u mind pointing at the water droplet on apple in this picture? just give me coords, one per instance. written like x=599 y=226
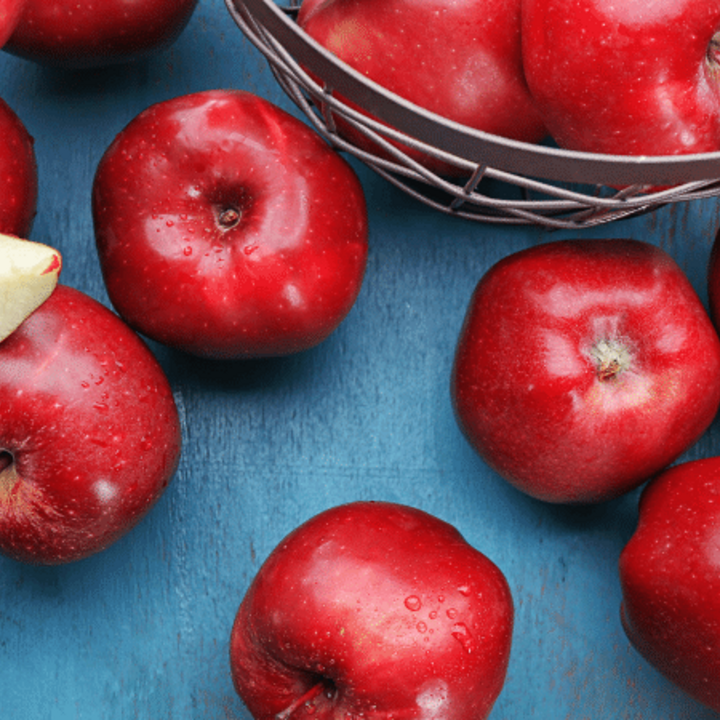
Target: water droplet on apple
x=187 y=251
x=413 y=602
x=452 y=613
x=421 y=627
x=169 y=223
x=464 y=590
x=433 y=614
x=462 y=635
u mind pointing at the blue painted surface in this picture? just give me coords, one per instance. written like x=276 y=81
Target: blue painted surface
x=141 y=631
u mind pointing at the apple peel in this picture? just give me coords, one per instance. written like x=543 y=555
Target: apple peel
x=29 y=273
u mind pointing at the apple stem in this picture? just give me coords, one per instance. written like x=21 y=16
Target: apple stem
x=312 y=693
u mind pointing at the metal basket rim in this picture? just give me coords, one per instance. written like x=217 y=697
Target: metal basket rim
x=546 y=162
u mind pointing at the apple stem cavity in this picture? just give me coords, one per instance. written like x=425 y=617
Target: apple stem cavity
x=228 y=218
x=713 y=55
x=310 y=695
x=6 y=460
x=611 y=358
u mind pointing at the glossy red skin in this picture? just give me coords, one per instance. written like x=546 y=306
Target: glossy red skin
x=387 y=608
x=89 y=418
x=279 y=281
x=627 y=78
x=670 y=580
x=18 y=175
x=459 y=59
x=10 y=11
x=95 y=33
x=535 y=404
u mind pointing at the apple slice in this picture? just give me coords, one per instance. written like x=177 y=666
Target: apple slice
x=29 y=273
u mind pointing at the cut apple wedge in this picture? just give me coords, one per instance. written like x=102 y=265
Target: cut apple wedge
x=29 y=273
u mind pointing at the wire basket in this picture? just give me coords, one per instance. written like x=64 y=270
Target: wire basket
x=501 y=180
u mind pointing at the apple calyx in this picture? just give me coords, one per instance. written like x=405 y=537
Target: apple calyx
x=308 y=697
x=29 y=273
x=228 y=218
x=8 y=473
x=611 y=357
x=6 y=460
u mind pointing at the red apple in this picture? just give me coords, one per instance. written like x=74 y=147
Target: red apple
x=670 y=579
x=89 y=431
x=18 y=175
x=88 y=34
x=227 y=228
x=10 y=11
x=625 y=78
x=460 y=60
x=373 y=610
x=584 y=367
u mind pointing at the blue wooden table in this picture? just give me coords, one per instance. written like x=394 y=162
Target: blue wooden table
x=141 y=630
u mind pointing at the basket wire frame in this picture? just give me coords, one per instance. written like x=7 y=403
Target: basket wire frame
x=531 y=201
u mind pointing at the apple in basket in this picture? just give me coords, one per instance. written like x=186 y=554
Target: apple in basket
x=88 y=34
x=625 y=78
x=18 y=175
x=227 y=228
x=89 y=430
x=584 y=367
x=460 y=60
x=373 y=610
x=10 y=11
x=670 y=580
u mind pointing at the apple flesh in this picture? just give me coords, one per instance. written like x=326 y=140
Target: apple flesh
x=584 y=367
x=29 y=273
x=18 y=175
x=89 y=431
x=75 y=34
x=461 y=60
x=625 y=78
x=373 y=610
x=226 y=227
x=670 y=581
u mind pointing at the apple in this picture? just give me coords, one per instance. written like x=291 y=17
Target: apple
x=227 y=228
x=10 y=11
x=584 y=367
x=373 y=610
x=18 y=174
x=625 y=78
x=29 y=273
x=459 y=59
x=670 y=581
x=73 y=34
x=89 y=430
